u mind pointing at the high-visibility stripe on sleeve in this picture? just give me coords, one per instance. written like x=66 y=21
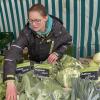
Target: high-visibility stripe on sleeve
x=17 y=46
x=65 y=47
x=10 y=76
x=8 y=60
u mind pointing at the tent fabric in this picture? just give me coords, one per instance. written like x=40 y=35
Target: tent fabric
x=80 y=17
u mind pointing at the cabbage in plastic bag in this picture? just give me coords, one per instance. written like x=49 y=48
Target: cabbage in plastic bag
x=66 y=76
x=43 y=89
x=68 y=61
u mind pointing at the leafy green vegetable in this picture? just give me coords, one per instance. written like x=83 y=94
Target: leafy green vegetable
x=43 y=88
x=63 y=83
x=2 y=88
x=24 y=64
x=84 y=90
x=66 y=76
x=89 y=69
x=68 y=61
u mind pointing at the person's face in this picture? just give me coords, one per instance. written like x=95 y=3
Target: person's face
x=37 y=21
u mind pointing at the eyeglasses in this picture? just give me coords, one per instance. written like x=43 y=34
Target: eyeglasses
x=37 y=21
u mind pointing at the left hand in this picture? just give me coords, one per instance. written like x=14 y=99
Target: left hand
x=52 y=58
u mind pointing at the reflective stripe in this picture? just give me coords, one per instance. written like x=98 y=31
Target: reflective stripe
x=16 y=46
x=65 y=47
x=8 y=59
x=10 y=76
x=51 y=48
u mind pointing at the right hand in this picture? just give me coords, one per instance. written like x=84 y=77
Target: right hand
x=11 y=92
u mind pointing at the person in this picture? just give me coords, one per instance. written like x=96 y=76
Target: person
x=46 y=39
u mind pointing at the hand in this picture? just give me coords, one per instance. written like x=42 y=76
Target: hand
x=11 y=92
x=52 y=58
